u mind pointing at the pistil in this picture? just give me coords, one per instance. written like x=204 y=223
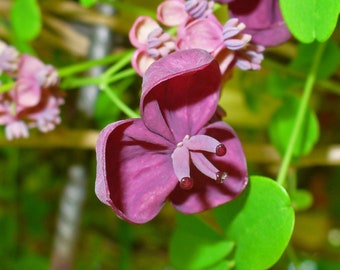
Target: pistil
x=199 y=8
x=191 y=151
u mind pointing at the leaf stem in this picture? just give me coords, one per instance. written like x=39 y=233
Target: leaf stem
x=110 y=91
x=307 y=91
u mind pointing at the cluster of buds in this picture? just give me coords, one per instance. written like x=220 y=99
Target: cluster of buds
x=34 y=99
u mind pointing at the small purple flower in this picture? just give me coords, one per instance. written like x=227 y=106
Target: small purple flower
x=34 y=100
x=227 y=43
x=151 y=42
x=8 y=58
x=180 y=12
x=263 y=19
x=174 y=151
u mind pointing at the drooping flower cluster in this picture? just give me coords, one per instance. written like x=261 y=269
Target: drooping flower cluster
x=239 y=42
x=34 y=100
x=178 y=150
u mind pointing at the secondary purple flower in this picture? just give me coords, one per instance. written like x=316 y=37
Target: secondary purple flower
x=263 y=19
x=181 y=12
x=228 y=43
x=8 y=58
x=34 y=100
x=151 y=42
x=174 y=151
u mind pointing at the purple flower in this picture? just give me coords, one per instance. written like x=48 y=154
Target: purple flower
x=34 y=100
x=263 y=19
x=227 y=43
x=8 y=58
x=174 y=151
x=180 y=12
x=151 y=42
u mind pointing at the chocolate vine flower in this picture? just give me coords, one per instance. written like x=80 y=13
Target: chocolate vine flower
x=151 y=42
x=34 y=100
x=263 y=19
x=181 y=12
x=174 y=151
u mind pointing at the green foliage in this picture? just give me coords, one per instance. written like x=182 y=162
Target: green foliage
x=260 y=221
x=329 y=62
x=282 y=125
x=263 y=207
x=301 y=199
x=26 y=19
x=194 y=242
x=87 y=3
x=310 y=20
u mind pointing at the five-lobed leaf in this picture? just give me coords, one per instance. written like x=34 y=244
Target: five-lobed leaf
x=310 y=20
x=260 y=221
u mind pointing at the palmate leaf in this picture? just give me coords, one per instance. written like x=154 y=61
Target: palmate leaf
x=260 y=222
x=310 y=20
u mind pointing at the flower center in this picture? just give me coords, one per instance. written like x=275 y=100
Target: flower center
x=191 y=150
x=199 y=8
x=160 y=44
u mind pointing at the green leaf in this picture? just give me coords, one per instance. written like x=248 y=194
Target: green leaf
x=195 y=245
x=26 y=19
x=301 y=199
x=87 y=3
x=282 y=125
x=260 y=221
x=309 y=20
x=329 y=62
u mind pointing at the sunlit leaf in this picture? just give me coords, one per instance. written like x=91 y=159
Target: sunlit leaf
x=87 y=3
x=195 y=245
x=282 y=125
x=26 y=19
x=260 y=221
x=309 y=20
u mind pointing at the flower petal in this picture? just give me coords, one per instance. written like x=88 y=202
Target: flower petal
x=206 y=193
x=134 y=170
x=180 y=93
x=263 y=19
x=140 y=30
x=140 y=61
x=172 y=13
x=204 y=33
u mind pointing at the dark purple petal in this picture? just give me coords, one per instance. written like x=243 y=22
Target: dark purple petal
x=134 y=170
x=180 y=94
x=263 y=19
x=207 y=193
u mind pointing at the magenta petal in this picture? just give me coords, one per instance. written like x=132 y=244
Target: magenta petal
x=206 y=193
x=172 y=12
x=134 y=170
x=175 y=89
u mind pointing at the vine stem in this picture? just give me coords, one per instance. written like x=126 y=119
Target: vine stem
x=307 y=91
x=111 y=93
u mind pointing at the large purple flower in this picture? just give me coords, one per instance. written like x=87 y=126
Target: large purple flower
x=174 y=151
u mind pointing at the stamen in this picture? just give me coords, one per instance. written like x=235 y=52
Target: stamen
x=181 y=164
x=199 y=8
x=232 y=37
x=205 y=143
x=203 y=165
x=186 y=183
x=221 y=150
x=221 y=176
